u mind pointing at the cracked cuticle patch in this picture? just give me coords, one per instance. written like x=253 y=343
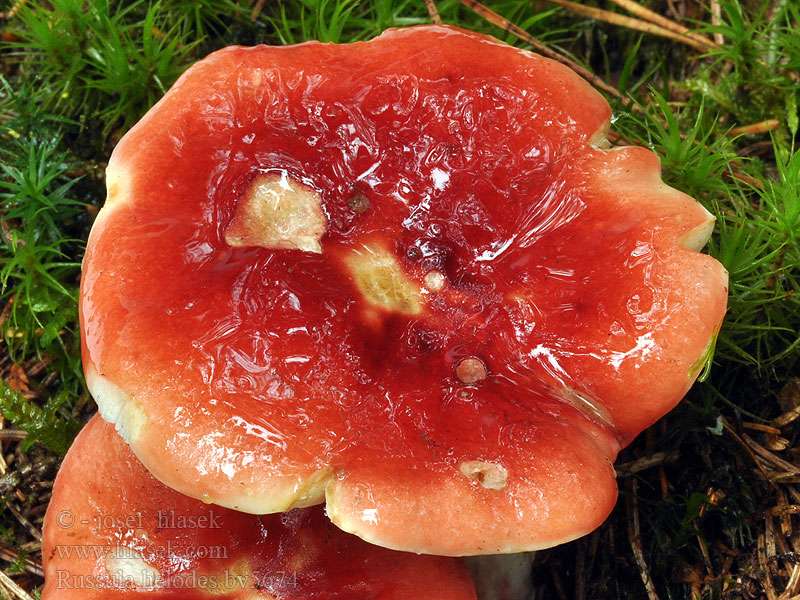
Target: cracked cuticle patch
x=490 y=475
x=278 y=213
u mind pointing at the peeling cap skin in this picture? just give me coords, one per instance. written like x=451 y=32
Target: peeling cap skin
x=113 y=532
x=404 y=277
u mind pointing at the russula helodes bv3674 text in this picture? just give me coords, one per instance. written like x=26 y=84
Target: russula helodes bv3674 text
x=114 y=532
x=406 y=277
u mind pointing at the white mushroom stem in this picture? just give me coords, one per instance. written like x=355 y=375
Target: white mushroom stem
x=502 y=576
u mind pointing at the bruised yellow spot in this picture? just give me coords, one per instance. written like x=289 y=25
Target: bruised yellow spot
x=278 y=213
x=490 y=475
x=382 y=281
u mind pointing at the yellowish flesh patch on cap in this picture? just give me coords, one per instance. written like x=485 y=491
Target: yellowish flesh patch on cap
x=278 y=213
x=381 y=280
x=490 y=475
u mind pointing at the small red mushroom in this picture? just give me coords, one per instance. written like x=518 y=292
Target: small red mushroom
x=112 y=531
x=406 y=277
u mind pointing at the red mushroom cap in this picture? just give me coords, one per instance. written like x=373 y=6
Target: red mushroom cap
x=406 y=277
x=112 y=531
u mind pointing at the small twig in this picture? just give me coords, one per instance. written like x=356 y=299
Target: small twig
x=13 y=434
x=24 y=522
x=793 y=585
x=769 y=537
x=654 y=17
x=749 y=451
x=795 y=496
x=716 y=20
x=14 y=11
x=629 y=22
x=784 y=477
x=646 y=462
x=760 y=427
x=755 y=128
x=662 y=477
x=756 y=149
x=523 y=35
x=12 y=587
x=787 y=417
x=635 y=537
x=784 y=555
x=769 y=457
x=704 y=553
x=674 y=9
x=776 y=443
x=751 y=181
x=433 y=13
x=786 y=520
x=783 y=551
x=257 y=9
x=763 y=560
x=700 y=541
x=3 y=464
x=31 y=566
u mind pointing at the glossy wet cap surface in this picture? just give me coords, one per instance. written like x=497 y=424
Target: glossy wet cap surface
x=400 y=276
x=114 y=532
